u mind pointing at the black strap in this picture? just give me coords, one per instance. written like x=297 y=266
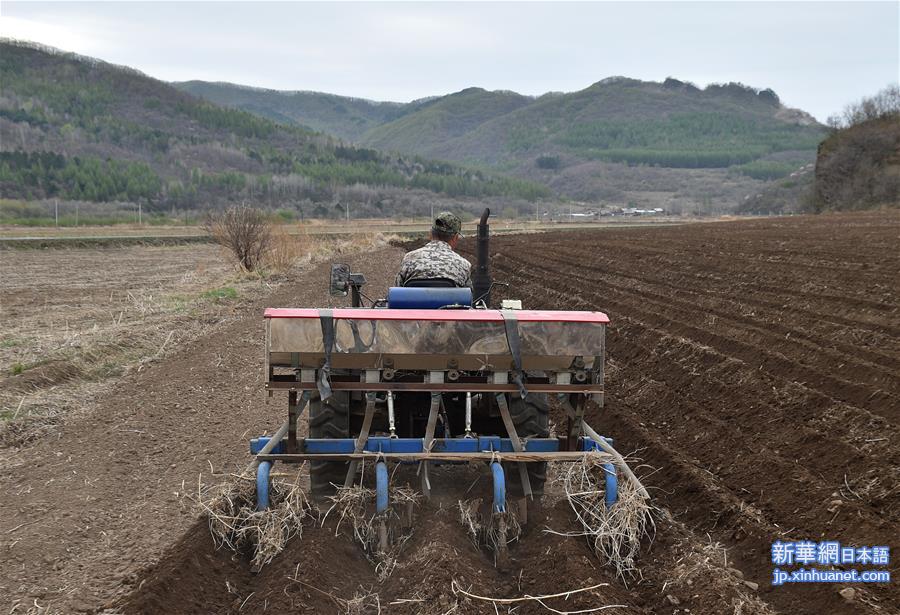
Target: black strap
x=512 y=339
x=326 y=319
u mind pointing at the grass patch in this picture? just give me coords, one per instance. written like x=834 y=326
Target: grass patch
x=16 y=369
x=9 y=342
x=226 y=292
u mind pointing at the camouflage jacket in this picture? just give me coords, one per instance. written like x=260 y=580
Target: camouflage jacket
x=435 y=260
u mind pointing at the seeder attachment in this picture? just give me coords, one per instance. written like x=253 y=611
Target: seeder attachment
x=405 y=385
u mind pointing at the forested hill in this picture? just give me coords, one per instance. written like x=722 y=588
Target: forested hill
x=341 y=116
x=858 y=165
x=353 y=118
x=619 y=140
x=671 y=124
x=78 y=128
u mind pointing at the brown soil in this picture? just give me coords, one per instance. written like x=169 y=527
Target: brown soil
x=752 y=366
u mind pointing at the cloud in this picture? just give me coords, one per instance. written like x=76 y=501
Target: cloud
x=65 y=37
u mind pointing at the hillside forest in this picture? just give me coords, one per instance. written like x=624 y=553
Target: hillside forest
x=80 y=130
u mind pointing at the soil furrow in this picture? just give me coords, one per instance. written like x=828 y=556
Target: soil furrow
x=773 y=362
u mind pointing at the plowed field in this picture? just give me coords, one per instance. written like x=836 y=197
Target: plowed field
x=754 y=367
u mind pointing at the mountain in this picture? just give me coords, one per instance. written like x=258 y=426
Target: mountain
x=620 y=140
x=352 y=119
x=341 y=116
x=78 y=128
x=437 y=123
x=670 y=124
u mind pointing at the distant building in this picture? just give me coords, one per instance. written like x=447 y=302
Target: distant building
x=634 y=211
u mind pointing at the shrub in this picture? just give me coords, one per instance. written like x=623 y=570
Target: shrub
x=243 y=230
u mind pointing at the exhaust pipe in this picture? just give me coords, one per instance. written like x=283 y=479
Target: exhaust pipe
x=481 y=281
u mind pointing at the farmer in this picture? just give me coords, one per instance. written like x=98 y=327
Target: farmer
x=436 y=259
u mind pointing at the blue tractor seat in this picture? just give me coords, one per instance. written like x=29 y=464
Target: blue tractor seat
x=425 y=298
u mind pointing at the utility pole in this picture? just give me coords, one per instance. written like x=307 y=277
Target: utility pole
x=56 y=209
x=140 y=217
x=76 y=213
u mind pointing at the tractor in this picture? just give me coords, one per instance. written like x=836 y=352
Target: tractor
x=428 y=375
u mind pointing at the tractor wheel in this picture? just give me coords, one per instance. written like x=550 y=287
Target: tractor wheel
x=328 y=419
x=531 y=416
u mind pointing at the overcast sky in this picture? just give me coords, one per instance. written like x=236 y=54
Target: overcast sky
x=817 y=56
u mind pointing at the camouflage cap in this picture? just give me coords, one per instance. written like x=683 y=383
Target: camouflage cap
x=447 y=222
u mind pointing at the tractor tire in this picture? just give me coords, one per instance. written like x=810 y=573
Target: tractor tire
x=328 y=419
x=531 y=416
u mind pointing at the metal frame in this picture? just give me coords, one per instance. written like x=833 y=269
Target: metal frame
x=299 y=377
x=441 y=449
x=426 y=387
x=381 y=449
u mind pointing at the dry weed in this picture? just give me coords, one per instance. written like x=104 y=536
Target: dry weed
x=470 y=518
x=235 y=523
x=614 y=533
x=352 y=504
x=286 y=250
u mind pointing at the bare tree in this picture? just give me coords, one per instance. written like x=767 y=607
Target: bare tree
x=243 y=230
x=884 y=104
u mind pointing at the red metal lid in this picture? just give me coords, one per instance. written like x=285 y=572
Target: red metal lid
x=441 y=315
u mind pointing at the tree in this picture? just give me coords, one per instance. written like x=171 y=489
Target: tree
x=548 y=162
x=243 y=230
x=885 y=103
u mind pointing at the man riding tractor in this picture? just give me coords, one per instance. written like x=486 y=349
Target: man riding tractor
x=436 y=264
